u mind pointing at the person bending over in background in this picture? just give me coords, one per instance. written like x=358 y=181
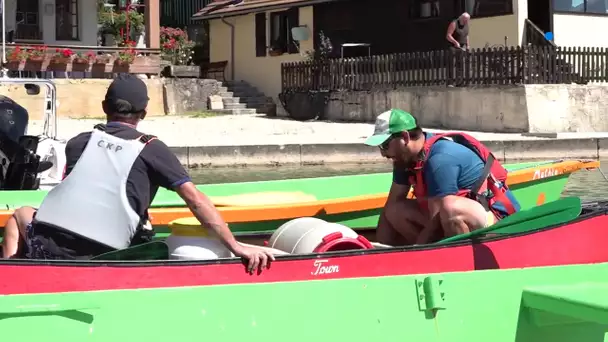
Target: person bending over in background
x=455 y=192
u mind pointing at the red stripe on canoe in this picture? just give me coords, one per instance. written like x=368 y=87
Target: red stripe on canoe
x=578 y=243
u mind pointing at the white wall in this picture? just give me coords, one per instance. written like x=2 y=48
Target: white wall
x=87 y=22
x=262 y=72
x=580 y=30
x=521 y=11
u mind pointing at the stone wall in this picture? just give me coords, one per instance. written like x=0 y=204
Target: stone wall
x=567 y=108
x=184 y=95
x=81 y=98
x=526 y=108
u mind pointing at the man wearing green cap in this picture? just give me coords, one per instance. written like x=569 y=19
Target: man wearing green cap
x=458 y=184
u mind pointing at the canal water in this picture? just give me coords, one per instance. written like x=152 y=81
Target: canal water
x=589 y=185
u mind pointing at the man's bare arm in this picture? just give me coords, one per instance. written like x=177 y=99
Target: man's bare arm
x=434 y=223
x=397 y=192
x=449 y=37
x=203 y=209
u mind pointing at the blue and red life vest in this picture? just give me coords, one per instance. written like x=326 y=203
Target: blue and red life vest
x=493 y=176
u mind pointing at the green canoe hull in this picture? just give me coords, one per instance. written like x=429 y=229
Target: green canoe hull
x=323 y=188
x=526 y=193
x=508 y=288
x=350 y=299
x=557 y=304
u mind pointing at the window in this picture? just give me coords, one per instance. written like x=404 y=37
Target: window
x=26 y=20
x=260 y=34
x=489 y=8
x=421 y=9
x=281 y=24
x=581 y=6
x=66 y=20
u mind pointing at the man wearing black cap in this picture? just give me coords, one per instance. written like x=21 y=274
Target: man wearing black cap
x=112 y=176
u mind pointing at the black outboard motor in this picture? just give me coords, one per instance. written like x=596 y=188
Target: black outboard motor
x=13 y=118
x=19 y=163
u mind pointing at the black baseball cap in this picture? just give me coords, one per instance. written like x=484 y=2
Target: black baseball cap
x=127 y=94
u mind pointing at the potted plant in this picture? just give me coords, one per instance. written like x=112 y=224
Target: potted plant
x=17 y=54
x=136 y=24
x=102 y=59
x=125 y=57
x=15 y=57
x=109 y=28
x=114 y=26
x=324 y=51
x=84 y=58
x=175 y=46
x=99 y=65
x=62 y=56
x=36 y=54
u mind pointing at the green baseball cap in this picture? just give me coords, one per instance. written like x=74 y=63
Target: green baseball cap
x=391 y=122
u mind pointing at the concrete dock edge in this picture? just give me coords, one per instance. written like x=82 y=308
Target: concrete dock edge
x=552 y=149
x=318 y=154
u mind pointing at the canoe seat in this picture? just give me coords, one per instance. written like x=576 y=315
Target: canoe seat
x=556 y=212
x=155 y=250
x=262 y=198
x=586 y=302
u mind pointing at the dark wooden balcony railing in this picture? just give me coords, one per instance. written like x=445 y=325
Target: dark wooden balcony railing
x=28 y=32
x=496 y=66
x=533 y=35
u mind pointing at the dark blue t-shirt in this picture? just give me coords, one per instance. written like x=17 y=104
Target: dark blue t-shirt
x=450 y=167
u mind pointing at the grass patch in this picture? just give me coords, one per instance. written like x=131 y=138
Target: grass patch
x=202 y=114
x=84 y=117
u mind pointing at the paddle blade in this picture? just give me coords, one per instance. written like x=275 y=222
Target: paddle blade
x=556 y=212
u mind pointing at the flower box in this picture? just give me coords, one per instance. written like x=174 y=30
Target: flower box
x=79 y=60
x=35 y=59
x=123 y=63
x=13 y=64
x=60 y=60
x=121 y=66
x=102 y=60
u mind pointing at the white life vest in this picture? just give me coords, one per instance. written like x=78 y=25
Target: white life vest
x=92 y=200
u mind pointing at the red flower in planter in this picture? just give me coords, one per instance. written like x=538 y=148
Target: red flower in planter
x=175 y=45
x=62 y=56
x=17 y=54
x=84 y=58
x=36 y=53
x=170 y=44
x=67 y=53
x=126 y=56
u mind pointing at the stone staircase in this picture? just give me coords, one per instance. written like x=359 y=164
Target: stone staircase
x=240 y=97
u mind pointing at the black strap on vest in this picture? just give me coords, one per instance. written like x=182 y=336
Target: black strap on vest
x=147 y=138
x=100 y=127
x=483 y=178
x=144 y=138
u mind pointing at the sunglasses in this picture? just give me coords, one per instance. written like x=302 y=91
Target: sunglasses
x=385 y=144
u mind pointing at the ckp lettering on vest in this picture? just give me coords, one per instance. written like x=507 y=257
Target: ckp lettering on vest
x=109 y=146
